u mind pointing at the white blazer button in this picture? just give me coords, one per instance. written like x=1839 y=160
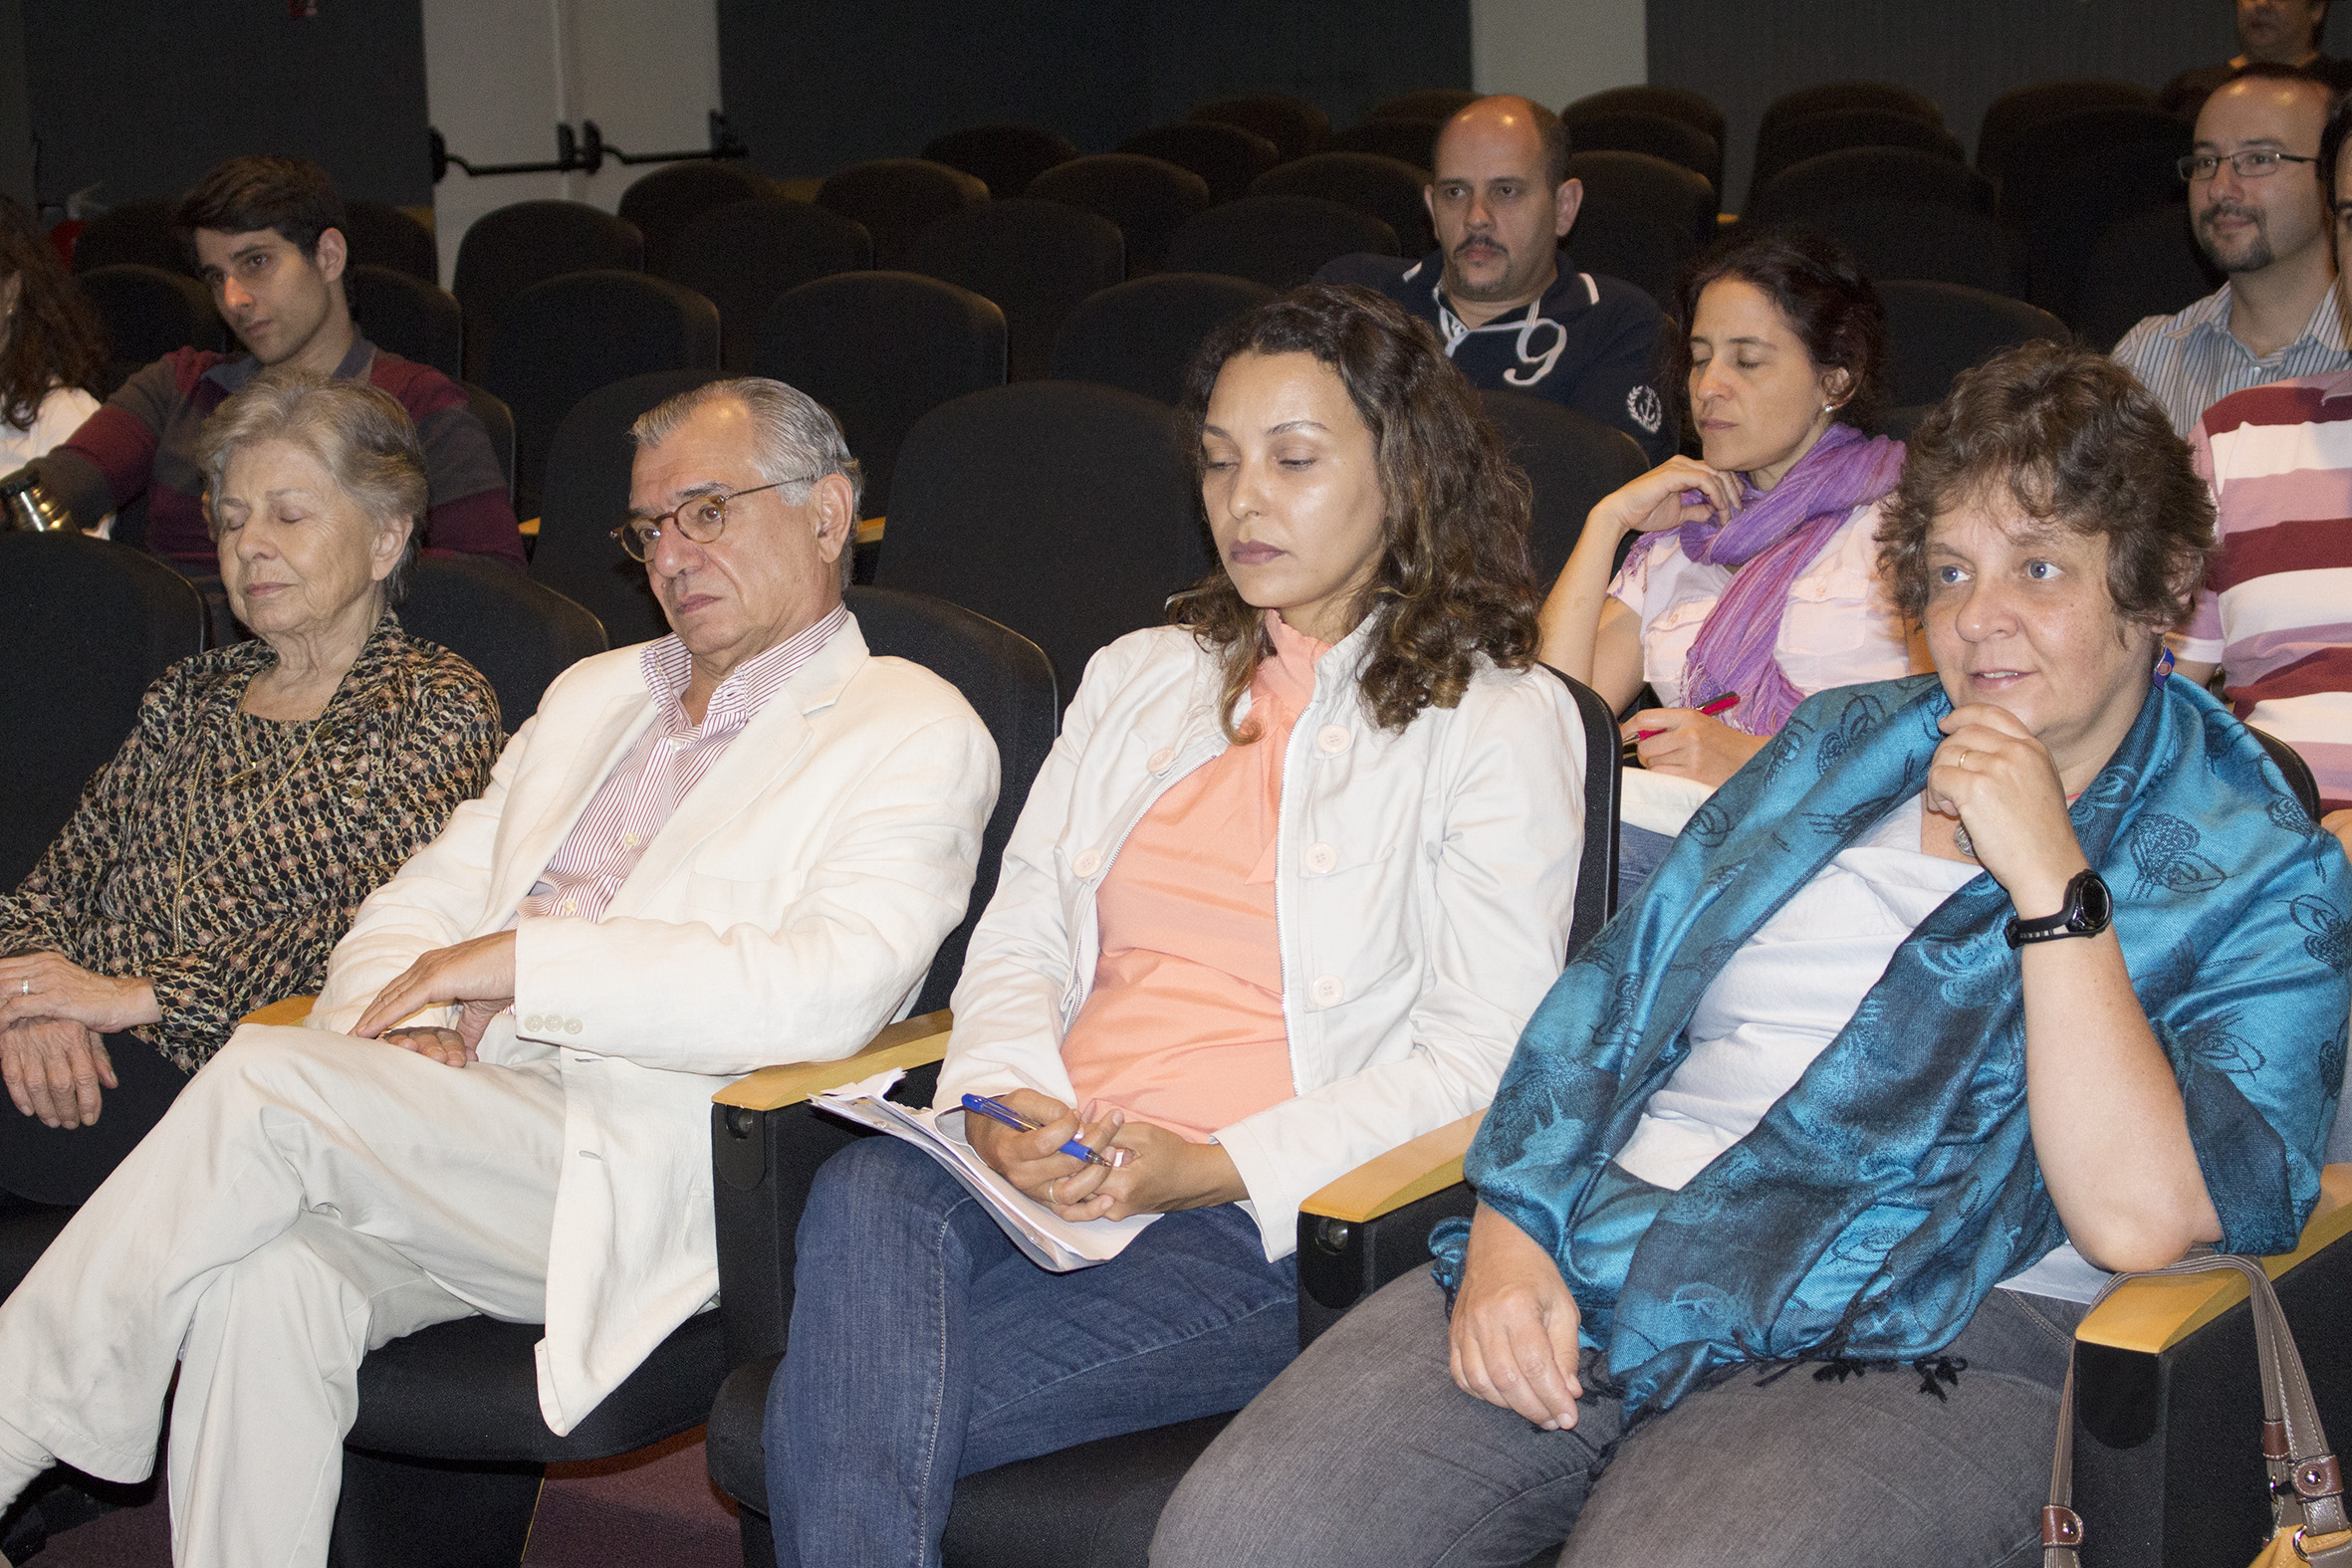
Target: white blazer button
x=1161 y=758
x=1321 y=858
x=1333 y=738
x=531 y=1022
x=1327 y=990
x=571 y=1026
x=1088 y=863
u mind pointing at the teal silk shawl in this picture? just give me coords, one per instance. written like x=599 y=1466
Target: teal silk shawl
x=1880 y=1200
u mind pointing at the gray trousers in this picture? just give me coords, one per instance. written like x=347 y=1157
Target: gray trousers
x=1364 y=1452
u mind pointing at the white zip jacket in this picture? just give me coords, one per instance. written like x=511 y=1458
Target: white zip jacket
x=1422 y=899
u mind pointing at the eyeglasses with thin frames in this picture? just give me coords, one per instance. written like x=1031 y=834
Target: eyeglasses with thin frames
x=2252 y=163
x=702 y=519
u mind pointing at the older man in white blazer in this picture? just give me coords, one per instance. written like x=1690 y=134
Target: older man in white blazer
x=737 y=845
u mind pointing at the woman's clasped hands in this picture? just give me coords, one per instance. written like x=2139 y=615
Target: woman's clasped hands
x=1160 y=1174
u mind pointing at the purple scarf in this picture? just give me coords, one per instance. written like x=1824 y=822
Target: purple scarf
x=1768 y=542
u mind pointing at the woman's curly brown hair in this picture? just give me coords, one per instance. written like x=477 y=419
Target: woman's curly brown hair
x=2072 y=439
x=56 y=338
x=1454 y=580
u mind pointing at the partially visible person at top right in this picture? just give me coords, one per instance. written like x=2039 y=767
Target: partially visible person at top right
x=2275 y=613
x=2269 y=32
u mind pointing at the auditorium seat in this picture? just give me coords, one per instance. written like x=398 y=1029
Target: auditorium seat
x=561 y=339
x=509 y=249
x=1571 y=461
x=86 y=625
x=744 y=255
x=1656 y=136
x=661 y=203
x=2018 y=116
x=1148 y=199
x=1002 y=157
x=149 y=312
x=1438 y=104
x=520 y=633
x=1380 y=187
x=1036 y=260
x=1835 y=179
x=1694 y=110
x=1671 y=192
x=585 y=496
x=1834 y=130
x=378 y=234
x=498 y=423
x=1293 y=124
x=402 y=313
x=1925 y=239
x=1631 y=241
x=2147 y=264
x=821 y=336
x=1277 y=240
x=1064 y=510
x=897 y=199
x=2085 y=172
x=1411 y=141
x=1140 y=336
x=1226 y=158
x=1935 y=330
x=1823 y=96
x=135 y=232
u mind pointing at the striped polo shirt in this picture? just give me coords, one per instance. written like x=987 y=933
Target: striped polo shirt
x=2275 y=611
x=2190 y=361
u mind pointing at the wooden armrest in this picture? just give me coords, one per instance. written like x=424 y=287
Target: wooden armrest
x=913 y=1043
x=2153 y=1315
x=528 y=527
x=869 y=532
x=290 y=1011
x=1405 y=1173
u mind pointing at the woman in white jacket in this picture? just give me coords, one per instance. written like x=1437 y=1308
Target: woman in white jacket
x=1296 y=872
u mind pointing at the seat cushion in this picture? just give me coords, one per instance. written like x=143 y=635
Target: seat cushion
x=25 y=1230
x=468 y=1391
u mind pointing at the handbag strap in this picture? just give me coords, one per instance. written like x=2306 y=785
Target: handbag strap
x=2306 y=1482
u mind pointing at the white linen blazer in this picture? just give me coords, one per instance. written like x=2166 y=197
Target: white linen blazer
x=786 y=911
x=1423 y=890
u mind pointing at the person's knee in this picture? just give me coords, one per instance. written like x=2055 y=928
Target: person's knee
x=876 y=1185
x=265 y=1059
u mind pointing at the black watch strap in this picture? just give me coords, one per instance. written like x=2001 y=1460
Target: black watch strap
x=2088 y=911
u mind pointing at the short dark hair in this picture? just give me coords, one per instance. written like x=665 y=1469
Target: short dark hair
x=2075 y=441
x=1453 y=583
x=294 y=196
x=1818 y=290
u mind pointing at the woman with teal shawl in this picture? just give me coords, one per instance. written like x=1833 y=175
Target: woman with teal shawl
x=2027 y=1094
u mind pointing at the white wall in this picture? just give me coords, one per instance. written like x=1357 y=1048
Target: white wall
x=500 y=75
x=1557 y=51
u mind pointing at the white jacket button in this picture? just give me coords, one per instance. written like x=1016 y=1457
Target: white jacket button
x=1320 y=858
x=531 y=1024
x=1161 y=758
x=1088 y=863
x=571 y=1026
x=1327 y=990
x=1333 y=738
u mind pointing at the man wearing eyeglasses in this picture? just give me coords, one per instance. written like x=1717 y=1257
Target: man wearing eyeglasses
x=739 y=844
x=2260 y=214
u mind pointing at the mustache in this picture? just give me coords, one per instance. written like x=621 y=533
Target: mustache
x=2228 y=209
x=1481 y=242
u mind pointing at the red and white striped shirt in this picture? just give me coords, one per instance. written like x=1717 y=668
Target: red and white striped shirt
x=639 y=795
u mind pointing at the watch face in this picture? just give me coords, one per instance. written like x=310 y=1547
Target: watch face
x=2094 y=905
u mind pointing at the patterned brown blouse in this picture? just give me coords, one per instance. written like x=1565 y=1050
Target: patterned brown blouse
x=222 y=856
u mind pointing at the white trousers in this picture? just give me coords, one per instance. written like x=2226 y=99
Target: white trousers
x=307 y=1197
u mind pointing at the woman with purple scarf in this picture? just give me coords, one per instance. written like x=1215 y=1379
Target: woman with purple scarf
x=1754 y=574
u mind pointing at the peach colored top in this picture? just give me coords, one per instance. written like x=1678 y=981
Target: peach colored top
x=1184 y=1026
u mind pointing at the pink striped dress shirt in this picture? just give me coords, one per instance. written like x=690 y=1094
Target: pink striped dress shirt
x=639 y=795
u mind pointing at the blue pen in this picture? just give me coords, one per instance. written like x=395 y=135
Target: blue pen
x=1013 y=1119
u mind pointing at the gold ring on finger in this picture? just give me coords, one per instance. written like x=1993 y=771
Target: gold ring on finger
x=1964 y=757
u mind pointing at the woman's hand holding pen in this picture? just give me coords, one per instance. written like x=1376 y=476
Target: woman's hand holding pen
x=1691 y=743
x=1162 y=1172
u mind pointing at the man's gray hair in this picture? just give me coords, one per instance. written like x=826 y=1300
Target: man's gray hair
x=796 y=439
x=357 y=433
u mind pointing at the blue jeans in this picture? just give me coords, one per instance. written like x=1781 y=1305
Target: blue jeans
x=926 y=1346
x=1639 y=853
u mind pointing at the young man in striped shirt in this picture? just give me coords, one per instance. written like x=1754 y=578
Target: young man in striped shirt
x=2260 y=215
x=2274 y=615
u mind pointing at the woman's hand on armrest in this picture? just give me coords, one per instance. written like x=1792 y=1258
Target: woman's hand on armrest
x=1513 y=1335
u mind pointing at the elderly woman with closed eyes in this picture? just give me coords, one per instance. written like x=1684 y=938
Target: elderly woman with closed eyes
x=264 y=789
x=1968 y=988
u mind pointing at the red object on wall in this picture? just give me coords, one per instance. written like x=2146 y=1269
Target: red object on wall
x=61 y=239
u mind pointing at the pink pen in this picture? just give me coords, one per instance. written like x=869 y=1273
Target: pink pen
x=1724 y=704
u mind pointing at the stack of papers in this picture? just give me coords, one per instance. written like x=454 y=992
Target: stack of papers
x=1050 y=1240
